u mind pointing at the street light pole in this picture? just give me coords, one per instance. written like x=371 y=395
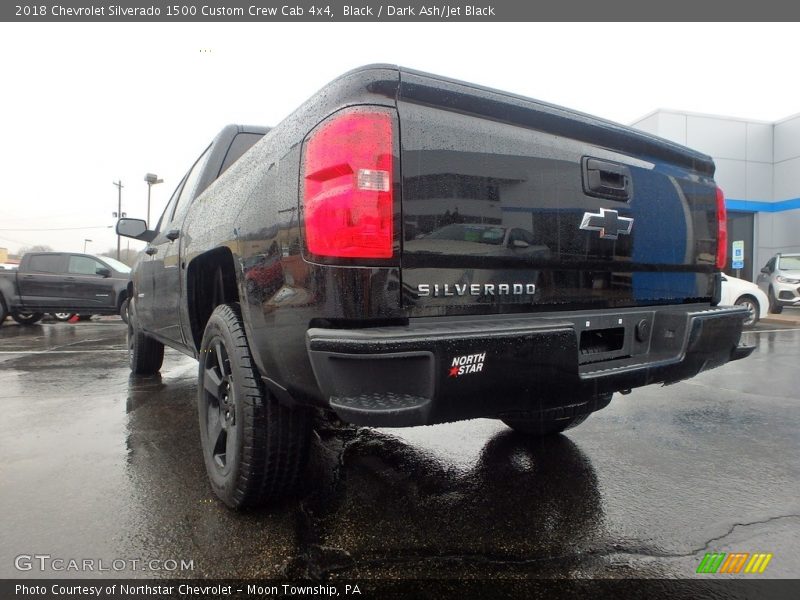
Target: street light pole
x=119 y=211
x=151 y=179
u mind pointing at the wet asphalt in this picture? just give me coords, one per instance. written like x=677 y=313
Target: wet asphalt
x=100 y=465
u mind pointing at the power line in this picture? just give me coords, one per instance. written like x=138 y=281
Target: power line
x=61 y=228
x=16 y=217
x=16 y=241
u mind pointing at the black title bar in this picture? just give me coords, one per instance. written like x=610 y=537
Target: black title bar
x=264 y=11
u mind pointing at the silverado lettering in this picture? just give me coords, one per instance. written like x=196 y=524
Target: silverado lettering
x=475 y=289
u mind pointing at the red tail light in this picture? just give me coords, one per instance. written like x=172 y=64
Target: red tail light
x=348 y=202
x=722 y=231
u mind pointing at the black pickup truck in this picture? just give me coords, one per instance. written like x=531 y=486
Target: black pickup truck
x=406 y=249
x=63 y=282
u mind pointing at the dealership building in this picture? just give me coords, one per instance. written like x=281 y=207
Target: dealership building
x=758 y=168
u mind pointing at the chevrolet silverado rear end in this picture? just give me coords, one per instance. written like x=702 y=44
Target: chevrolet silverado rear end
x=406 y=250
x=546 y=259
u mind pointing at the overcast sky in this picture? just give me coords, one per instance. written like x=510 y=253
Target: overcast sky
x=84 y=105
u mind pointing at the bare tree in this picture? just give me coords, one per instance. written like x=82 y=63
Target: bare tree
x=37 y=248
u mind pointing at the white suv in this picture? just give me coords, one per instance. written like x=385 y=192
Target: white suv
x=780 y=280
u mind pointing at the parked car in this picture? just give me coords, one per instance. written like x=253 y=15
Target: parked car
x=780 y=280
x=385 y=328
x=63 y=282
x=738 y=292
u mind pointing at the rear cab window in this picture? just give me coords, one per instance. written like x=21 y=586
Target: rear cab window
x=240 y=144
x=46 y=263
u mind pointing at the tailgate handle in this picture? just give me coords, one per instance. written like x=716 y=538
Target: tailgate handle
x=605 y=179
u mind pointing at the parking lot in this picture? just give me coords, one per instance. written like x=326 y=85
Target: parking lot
x=100 y=465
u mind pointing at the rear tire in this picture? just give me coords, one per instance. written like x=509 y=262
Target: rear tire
x=145 y=354
x=62 y=316
x=123 y=310
x=3 y=310
x=254 y=447
x=540 y=426
x=26 y=318
x=543 y=427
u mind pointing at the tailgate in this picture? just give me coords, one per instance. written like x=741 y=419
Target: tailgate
x=510 y=205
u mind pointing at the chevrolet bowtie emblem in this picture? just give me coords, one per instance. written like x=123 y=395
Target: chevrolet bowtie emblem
x=608 y=223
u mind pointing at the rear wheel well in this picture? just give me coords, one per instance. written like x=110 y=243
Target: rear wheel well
x=748 y=297
x=210 y=281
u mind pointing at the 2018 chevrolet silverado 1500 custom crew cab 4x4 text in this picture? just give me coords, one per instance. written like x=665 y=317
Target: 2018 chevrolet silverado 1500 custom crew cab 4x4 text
x=406 y=249
x=63 y=282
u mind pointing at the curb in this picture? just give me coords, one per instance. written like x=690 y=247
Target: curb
x=777 y=321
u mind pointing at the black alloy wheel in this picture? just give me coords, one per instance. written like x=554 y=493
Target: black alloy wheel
x=254 y=447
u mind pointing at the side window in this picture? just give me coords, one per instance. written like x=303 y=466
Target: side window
x=46 y=263
x=183 y=190
x=190 y=182
x=83 y=265
x=240 y=144
x=170 y=206
x=771 y=264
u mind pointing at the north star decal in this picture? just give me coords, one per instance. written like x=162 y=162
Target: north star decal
x=469 y=363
